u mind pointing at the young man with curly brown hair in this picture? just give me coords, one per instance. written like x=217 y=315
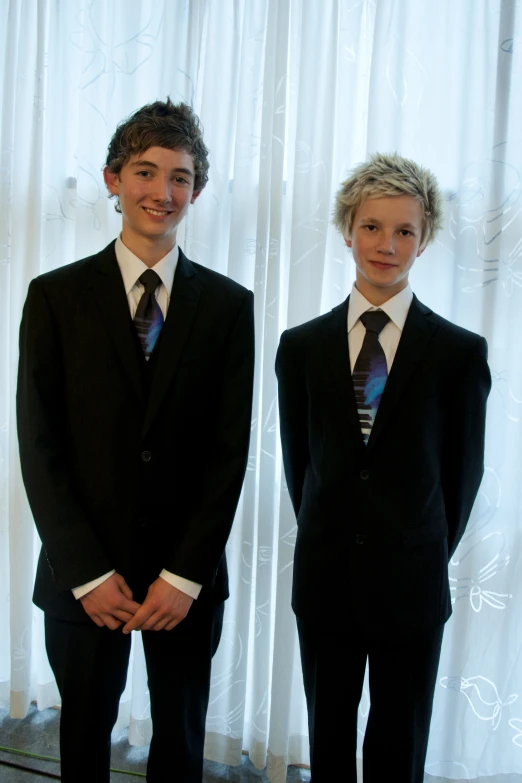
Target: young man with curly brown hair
x=134 y=407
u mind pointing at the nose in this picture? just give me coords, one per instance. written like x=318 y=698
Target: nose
x=385 y=244
x=162 y=190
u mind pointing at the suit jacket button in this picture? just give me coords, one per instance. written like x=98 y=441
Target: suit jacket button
x=146 y=456
x=359 y=538
x=365 y=474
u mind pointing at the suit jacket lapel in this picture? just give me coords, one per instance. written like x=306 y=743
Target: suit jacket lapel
x=336 y=346
x=416 y=335
x=108 y=289
x=183 y=305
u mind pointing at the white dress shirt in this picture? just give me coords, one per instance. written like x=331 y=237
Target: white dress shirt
x=396 y=308
x=131 y=268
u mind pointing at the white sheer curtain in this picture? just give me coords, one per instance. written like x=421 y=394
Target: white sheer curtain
x=292 y=93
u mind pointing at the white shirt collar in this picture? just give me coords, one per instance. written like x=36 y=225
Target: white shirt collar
x=132 y=267
x=397 y=307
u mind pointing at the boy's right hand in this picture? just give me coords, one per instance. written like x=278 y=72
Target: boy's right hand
x=110 y=604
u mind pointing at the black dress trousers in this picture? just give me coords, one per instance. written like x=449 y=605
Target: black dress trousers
x=402 y=677
x=90 y=666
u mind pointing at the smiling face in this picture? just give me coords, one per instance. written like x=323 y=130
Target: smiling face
x=155 y=189
x=385 y=241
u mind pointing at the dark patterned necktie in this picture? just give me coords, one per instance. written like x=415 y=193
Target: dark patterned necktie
x=370 y=372
x=149 y=318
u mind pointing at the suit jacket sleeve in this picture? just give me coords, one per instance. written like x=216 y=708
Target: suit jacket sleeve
x=463 y=462
x=293 y=420
x=74 y=554
x=199 y=553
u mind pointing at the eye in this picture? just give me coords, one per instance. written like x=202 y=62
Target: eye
x=145 y=174
x=370 y=227
x=406 y=232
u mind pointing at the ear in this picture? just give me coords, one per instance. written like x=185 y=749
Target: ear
x=194 y=196
x=421 y=250
x=348 y=241
x=112 y=181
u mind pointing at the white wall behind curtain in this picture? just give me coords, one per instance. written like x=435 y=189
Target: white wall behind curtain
x=292 y=94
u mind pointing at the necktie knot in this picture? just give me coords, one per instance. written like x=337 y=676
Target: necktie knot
x=150 y=280
x=374 y=320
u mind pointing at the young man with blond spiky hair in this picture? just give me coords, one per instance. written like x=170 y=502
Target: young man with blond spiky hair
x=134 y=407
x=382 y=410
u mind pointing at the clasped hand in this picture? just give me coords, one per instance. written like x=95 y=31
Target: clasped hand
x=111 y=605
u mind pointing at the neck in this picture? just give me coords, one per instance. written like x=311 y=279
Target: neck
x=150 y=251
x=378 y=296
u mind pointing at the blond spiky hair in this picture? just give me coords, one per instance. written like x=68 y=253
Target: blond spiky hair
x=389 y=175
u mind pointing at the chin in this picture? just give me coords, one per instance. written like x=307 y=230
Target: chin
x=378 y=282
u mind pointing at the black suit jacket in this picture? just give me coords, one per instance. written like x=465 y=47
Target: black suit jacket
x=377 y=523
x=130 y=466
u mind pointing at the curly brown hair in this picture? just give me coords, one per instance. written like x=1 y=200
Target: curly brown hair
x=160 y=124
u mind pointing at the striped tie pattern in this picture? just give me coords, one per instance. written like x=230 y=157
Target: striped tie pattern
x=148 y=319
x=370 y=372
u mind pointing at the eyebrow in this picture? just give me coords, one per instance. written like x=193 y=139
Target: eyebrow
x=152 y=165
x=378 y=222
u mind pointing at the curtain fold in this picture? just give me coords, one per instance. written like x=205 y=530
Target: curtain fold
x=291 y=94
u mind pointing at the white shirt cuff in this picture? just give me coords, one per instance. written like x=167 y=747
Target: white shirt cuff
x=82 y=590
x=185 y=585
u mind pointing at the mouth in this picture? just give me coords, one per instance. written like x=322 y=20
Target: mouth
x=157 y=212
x=382 y=265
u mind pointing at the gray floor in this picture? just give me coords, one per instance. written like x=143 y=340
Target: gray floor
x=38 y=733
